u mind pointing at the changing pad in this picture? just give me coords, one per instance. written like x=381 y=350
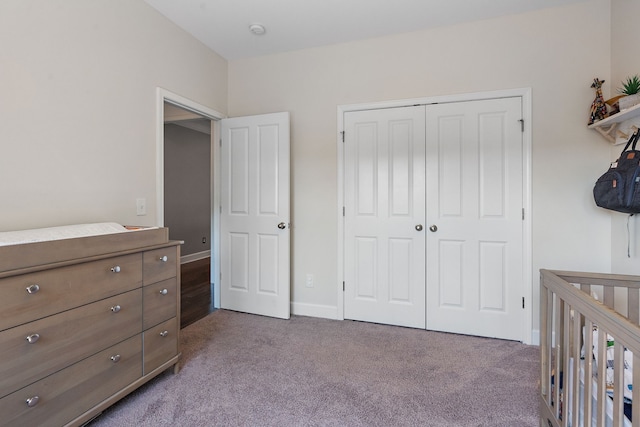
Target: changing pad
x=62 y=232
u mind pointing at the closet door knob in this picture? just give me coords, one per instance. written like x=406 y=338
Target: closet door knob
x=419 y=227
x=433 y=228
x=282 y=226
x=32 y=289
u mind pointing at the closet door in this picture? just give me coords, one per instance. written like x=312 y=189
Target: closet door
x=474 y=218
x=384 y=216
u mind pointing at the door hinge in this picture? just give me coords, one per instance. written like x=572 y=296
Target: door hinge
x=523 y=214
x=521 y=125
x=342 y=135
x=343 y=211
x=343 y=286
x=220 y=142
x=220 y=208
x=522 y=302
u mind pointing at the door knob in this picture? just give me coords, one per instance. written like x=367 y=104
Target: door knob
x=433 y=228
x=282 y=226
x=419 y=227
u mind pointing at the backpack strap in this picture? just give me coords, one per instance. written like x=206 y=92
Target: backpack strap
x=633 y=140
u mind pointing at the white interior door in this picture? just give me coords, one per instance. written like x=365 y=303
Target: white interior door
x=255 y=215
x=475 y=200
x=384 y=216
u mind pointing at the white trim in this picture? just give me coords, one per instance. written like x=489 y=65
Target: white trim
x=194 y=257
x=340 y=248
x=314 y=310
x=535 y=337
x=215 y=209
x=162 y=96
x=528 y=335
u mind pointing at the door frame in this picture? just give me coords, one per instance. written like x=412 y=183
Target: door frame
x=525 y=94
x=162 y=96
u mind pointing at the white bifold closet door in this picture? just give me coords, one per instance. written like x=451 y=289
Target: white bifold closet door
x=433 y=217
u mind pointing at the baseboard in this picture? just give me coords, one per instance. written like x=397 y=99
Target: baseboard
x=194 y=257
x=314 y=310
x=535 y=337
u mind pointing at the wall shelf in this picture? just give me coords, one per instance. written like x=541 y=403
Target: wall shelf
x=618 y=128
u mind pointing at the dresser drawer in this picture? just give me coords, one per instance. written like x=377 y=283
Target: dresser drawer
x=59 y=289
x=62 y=339
x=70 y=392
x=159 y=302
x=160 y=344
x=159 y=264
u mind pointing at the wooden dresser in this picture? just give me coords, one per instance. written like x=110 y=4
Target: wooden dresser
x=83 y=322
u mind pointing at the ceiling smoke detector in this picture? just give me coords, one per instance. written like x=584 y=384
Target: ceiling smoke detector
x=257 y=29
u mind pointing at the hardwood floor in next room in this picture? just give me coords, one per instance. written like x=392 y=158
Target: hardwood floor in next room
x=195 y=293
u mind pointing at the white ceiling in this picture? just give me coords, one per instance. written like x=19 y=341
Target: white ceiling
x=223 y=25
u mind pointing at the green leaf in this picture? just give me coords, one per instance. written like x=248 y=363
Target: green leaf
x=630 y=86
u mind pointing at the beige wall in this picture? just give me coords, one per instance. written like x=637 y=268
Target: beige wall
x=625 y=62
x=555 y=52
x=78 y=85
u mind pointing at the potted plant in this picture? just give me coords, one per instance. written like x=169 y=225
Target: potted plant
x=629 y=90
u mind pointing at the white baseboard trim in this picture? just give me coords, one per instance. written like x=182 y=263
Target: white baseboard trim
x=535 y=337
x=314 y=310
x=194 y=257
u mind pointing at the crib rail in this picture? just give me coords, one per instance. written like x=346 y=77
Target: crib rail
x=567 y=307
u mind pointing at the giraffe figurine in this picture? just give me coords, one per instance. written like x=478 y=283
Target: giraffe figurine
x=598 y=107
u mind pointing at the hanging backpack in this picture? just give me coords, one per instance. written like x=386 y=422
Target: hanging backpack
x=618 y=189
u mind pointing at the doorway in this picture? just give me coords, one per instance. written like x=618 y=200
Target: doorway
x=473 y=167
x=187 y=207
x=200 y=261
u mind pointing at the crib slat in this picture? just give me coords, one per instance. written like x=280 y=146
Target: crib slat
x=618 y=384
x=545 y=343
x=557 y=363
x=609 y=296
x=566 y=357
x=544 y=340
x=602 y=378
x=633 y=305
x=576 y=338
x=635 y=409
x=588 y=372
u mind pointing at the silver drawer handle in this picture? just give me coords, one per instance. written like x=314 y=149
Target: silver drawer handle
x=116 y=308
x=116 y=269
x=164 y=292
x=32 y=401
x=116 y=358
x=33 y=338
x=32 y=289
x=164 y=333
x=164 y=258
